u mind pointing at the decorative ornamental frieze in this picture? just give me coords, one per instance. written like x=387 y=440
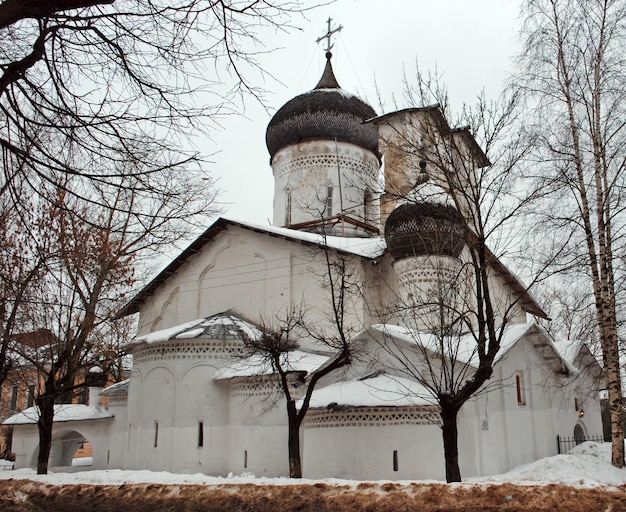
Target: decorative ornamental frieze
x=254 y=387
x=120 y=398
x=261 y=386
x=411 y=274
x=373 y=417
x=323 y=162
x=188 y=349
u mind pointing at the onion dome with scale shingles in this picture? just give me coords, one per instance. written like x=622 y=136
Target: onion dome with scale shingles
x=328 y=112
x=425 y=228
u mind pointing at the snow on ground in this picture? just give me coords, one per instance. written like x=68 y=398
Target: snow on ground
x=587 y=465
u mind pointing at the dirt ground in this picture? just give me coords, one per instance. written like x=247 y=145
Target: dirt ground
x=25 y=495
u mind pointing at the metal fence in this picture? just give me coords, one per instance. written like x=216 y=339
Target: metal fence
x=565 y=443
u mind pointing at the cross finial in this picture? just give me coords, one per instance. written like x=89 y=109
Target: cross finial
x=329 y=32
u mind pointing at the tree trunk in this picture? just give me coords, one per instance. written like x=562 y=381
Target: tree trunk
x=610 y=354
x=450 y=432
x=44 y=424
x=295 y=464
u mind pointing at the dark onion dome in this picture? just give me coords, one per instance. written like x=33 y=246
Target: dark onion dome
x=328 y=113
x=416 y=229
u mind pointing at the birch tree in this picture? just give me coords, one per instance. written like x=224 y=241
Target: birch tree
x=573 y=75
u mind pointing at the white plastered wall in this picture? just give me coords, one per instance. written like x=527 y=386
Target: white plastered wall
x=303 y=172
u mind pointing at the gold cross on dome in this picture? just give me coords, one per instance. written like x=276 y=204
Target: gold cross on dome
x=329 y=32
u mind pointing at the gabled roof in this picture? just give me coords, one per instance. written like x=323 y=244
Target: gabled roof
x=465 y=348
x=62 y=413
x=221 y=326
x=381 y=390
x=574 y=351
x=369 y=248
x=441 y=123
x=257 y=365
x=530 y=305
x=119 y=388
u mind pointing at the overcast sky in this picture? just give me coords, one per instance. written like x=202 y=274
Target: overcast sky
x=470 y=42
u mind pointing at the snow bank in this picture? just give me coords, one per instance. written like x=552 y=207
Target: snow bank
x=588 y=465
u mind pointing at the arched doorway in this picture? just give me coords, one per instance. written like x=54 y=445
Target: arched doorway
x=579 y=434
x=67 y=445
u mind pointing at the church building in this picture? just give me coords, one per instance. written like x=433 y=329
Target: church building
x=365 y=198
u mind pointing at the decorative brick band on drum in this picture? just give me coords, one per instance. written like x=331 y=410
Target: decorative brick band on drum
x=373 y=417
x=177 y=349
x=323 y=162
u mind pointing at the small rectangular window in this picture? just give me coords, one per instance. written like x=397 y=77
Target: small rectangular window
x=576 y=405
x=329 y=202
x=245 y=459
x=395 y=460
x=519 y=386
x=31 y=395
x=200 y=434
x=14 y=392
x=156 y=434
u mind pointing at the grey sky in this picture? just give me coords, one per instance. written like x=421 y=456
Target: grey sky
x=471 y=42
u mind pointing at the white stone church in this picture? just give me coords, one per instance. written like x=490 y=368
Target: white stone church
x=193 y=403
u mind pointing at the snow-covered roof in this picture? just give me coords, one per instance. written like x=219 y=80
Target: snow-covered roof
x=218 y=327
x=569 y=349
x=363 y=247
x=464 y=348
x=378 y=391
x=62 y=413
x=256 y=365
x=370 y=248
x=117 y=388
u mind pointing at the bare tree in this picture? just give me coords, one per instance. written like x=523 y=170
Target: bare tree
x=328 y=328
x=91 y=249
x=87 y=270
x=572 y=72
x=23 y=259
x=112 y=79
x=569 y=303
x=455 y=198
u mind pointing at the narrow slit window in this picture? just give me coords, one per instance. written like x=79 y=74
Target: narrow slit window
x=395 y=460
x=31 y=395
x=245 y=459
x=14 y=392
x=288 y=209
x=519 y=386
x=200 y=434
x=329 y=202
x=156 y=434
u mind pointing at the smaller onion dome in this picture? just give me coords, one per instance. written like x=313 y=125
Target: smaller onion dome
x=327 y=113
x=416 y=229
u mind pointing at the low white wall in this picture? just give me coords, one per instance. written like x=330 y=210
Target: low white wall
x=364 y=449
